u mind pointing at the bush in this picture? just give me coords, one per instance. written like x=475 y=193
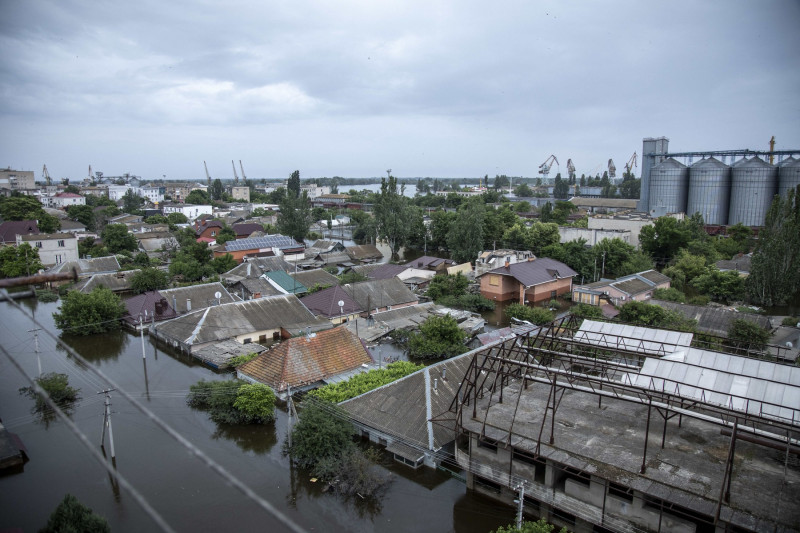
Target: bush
x=540 y=526
x=46 y=296
x=58 y=389
x=149 y=279
x=644 y=314
x=241 y=359
x=790 y=321
x=534 y=315
x=439 y=338
x=322 y=432
x=364 y=382
x=699 y=300
x=749 y=333
x=72 y=516
x=234 y=402
x=470 y=302
x=587 y=311
x=669 y=295
x=85 y=314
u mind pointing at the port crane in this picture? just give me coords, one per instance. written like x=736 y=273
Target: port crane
x=631 y=164
x=544 y=168
x=244 y=178
x=235 y=176
x=612 y=169
x=46 y=175
x=570 y=170
x=208 y=177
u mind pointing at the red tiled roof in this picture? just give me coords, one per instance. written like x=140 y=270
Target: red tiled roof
x=305 y=360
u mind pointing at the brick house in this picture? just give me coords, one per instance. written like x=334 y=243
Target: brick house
x=531 y=282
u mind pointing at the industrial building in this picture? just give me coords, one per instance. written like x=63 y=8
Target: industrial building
x=631 y=429
x=724 y=194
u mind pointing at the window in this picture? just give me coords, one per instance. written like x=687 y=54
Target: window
x=38 y=244
x=61 y=244
x=494 y=280
x=553 y=294
x=58 y=259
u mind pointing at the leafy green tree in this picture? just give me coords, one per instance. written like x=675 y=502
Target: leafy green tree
x=586 y=311
x=149 y=279
x=89 y=247
x=322 y=431
x=630 y=188
x=447 y=285
x=58 y=389
x=71 y=516
x=748 y=332
x=28 y=208
x=685 y=268
x=392 y=214
x=190 y=269
x=233 y=401
x=198 y=197
x=560 y=188
x=516 y=237
x=83 y=214
x=157 y=219
x=541 y=235
x=534 y=315
x=540 y=526
x=496 y=222
x=721 y=286
x=293 y=185
x=217 y=190
x=465 y=239
x=417 y=231
x=644 y=314
x=441 y=221
x=501 y=182
x=295 y=217
x=132 y=203
x=116 y=238
x=177 y=218
x=664 y=238
x=670 y=295
x=775 y=268
x=523 y=191
x=439 y=338
x=546 y=212
x=576 y=255
x=84 y=314
x=226 y=234
x=223 y=263
x=16 y=261
x=617 y=258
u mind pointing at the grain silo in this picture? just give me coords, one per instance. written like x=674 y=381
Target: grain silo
x=669 y=187
x=754 y=183
x=709 y=191
x=788 y=175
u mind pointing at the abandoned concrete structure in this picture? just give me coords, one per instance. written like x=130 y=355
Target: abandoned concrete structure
x=626 y=436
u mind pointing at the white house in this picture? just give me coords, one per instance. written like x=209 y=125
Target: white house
x=152 y=193
x=54 y=248
x=116 y=192
x=63 y=200
x=190 y=211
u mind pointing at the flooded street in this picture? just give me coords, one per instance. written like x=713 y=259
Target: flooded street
x=181 y=488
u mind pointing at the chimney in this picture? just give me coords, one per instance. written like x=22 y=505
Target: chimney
x=531 y=258
x=188 y=304
x=508 y=264
x=444 y=374
x=174 y=304
x=435 y=384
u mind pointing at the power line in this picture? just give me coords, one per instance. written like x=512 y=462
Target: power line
x=210 y=463
x=152 y=513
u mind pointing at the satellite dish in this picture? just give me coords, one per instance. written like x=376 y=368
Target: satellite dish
x=217 y=295
x=341 y=303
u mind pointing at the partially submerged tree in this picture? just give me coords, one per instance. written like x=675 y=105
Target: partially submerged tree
x=439 y=337
x=71 y=516
x=16 y=261
x=234 y=401
x=149 y=279
x=84 y=314
x=58 y=389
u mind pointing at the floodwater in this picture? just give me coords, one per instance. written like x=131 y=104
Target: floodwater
x=187 y=494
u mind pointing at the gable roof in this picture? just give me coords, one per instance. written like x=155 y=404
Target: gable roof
x=316 y=276
x=257 y=285
x=283 y=281
x=427 y=261
x=145 y=305
x=326 y=303
x=380 y=293
x=246 y=229
x=307 y=360
x=632 y=286
x=713 y=319
x=738 y=263
x=201 y=296
x=11 y=228
x=230 y=320
x=363 y=252
x=116 y=281
x=536 y=271
x=385 y=271
x=86 y=267
x=655 y=276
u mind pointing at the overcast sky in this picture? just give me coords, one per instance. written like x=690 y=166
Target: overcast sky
x=352 y=88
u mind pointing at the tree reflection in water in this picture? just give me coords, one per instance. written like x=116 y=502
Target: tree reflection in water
x=99 y=347
x=256 y=438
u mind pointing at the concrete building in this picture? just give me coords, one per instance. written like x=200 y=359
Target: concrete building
x=637 y=287
x=16 y=180
x=593 y=235
x=241 y=193
x=64 y=200
x=632 y=222
x=190 y=211
x=54 y=248
x=601 y=437
x=491 y=259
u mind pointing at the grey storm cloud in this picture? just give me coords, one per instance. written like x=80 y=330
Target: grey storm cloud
x=349 y=88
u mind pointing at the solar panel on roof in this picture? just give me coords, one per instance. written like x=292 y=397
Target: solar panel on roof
x=268 y=241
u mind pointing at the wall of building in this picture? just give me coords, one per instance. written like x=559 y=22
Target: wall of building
x=594 y=235
x=548 y=291
x=499 y=288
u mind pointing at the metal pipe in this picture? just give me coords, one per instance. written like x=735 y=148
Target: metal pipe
x=39 y=278
x=761 y=441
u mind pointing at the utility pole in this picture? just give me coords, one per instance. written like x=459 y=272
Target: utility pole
x=520 y=503
x=107 y=422
x=36 y=348
x=141 y=334
x=604 y=266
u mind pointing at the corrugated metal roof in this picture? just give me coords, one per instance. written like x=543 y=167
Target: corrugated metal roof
x=326 y=303
x=380 y=293
x=632 y=286
x=286 y=282
x=364 y=251
x=316 y=276
x=750 y=385
x=632 y=338
x=654 y=276
x=201 y=296
x=269 y=241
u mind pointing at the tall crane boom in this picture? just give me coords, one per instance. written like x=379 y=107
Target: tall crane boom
x=208 y=177
x=545 y=167
x=46 y=175
x=235 y=176
x=630 y=164
x=570 y=169
x=612 y=169
x=244 y=178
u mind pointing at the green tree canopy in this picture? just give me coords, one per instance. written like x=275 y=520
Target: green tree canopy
x=198 y=197
x=116 y=238
x=177 y=218
x=16 y=261
x=392 y=214
x=465 y=239
x=644 y=314
x=322 y=431
x=83 y=214
x=71 y=516
x=84 y=314
x=748 y=333
x=217 y=190
x=234 y=401
x=28 y=208
x=534 y=315
x=439 y=337
x=132 y=203
x=149 y=279
x=295 y=216
x=721 y=286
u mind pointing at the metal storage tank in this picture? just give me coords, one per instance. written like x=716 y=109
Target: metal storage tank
x=754 y=183
x=788 y=175
x=710 y=191
x=669 y=187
